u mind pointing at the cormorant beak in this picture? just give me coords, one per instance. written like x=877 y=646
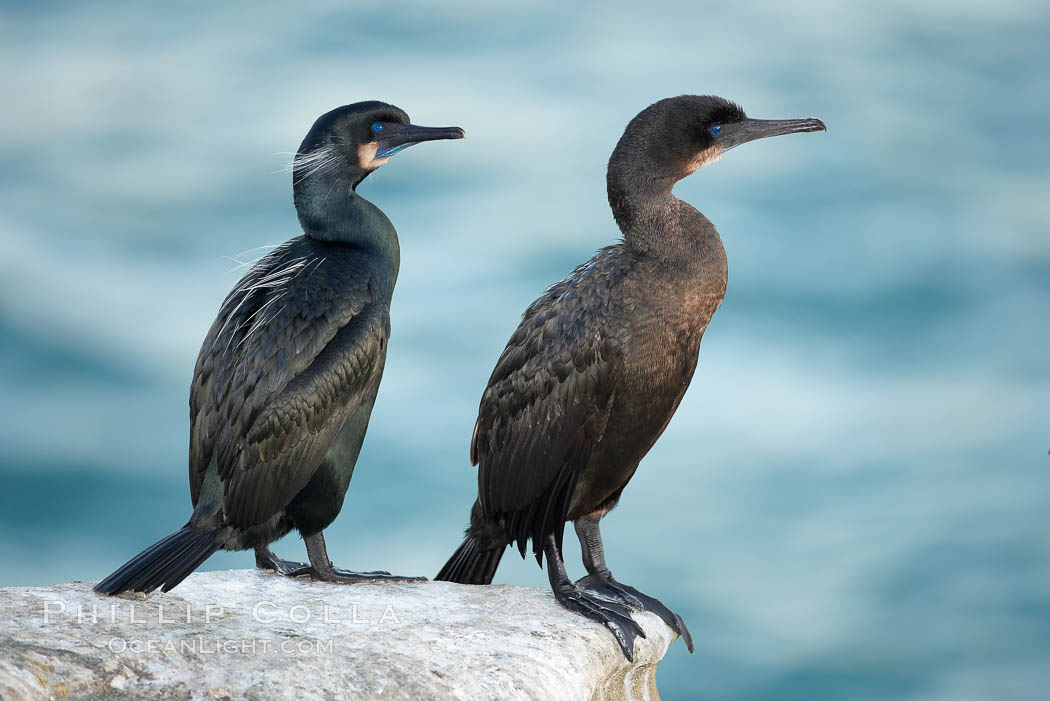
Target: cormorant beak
x=396 y=137
x=750 y=129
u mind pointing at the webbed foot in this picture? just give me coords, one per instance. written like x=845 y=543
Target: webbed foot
x=266 y=560
x=610 y=614
x=609 y=588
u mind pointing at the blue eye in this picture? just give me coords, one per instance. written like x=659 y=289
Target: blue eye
x=716 y=130
x=377 y=127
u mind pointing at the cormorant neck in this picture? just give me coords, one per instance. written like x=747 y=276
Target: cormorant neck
x=329 y=207
x=330 y=210
x=638 y=202
x=653 y=221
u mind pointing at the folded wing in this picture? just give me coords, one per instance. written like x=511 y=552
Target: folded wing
x=283 y=367
x=547 y=405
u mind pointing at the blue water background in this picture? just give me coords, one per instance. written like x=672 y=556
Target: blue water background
x=852 y=501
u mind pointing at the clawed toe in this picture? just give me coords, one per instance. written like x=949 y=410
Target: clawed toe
x=325 y=572
x=338 y=576
x=683 y=631
x=609 y=613
x=609 y=588
x=282 y=567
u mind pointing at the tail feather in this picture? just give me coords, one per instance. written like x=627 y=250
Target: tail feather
x=471 y=564
x=164 y=564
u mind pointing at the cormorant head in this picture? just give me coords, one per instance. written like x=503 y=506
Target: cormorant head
x=353 y=140
x=672 y=138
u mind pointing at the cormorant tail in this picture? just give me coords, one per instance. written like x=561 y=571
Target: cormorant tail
x=164 y=564
x=471 y=564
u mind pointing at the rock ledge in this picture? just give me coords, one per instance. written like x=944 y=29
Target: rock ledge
x=245 y=634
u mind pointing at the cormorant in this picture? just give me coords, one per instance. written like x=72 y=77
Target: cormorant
x=600 y=362
x=286 y=379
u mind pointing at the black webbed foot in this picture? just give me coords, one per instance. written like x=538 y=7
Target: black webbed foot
x=609 y=613
x=266 y=560
x=321 y=569
x=609 y=588
x=338 y=576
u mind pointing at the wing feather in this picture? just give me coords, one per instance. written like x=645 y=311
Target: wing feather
x=547 y=404
x=284 y=365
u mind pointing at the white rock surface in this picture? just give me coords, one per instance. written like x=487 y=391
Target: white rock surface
x=246 y=634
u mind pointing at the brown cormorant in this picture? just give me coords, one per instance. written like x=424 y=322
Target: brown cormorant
x=600 y=362
x=286 y=379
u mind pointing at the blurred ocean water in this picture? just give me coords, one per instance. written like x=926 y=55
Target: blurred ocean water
x=852 y=501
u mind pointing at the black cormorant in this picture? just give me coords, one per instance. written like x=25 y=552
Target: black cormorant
x=286 y=379
x=599 y=364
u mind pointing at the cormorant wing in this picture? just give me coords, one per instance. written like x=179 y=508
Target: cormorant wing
x=547 y=404
x=283 y=367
